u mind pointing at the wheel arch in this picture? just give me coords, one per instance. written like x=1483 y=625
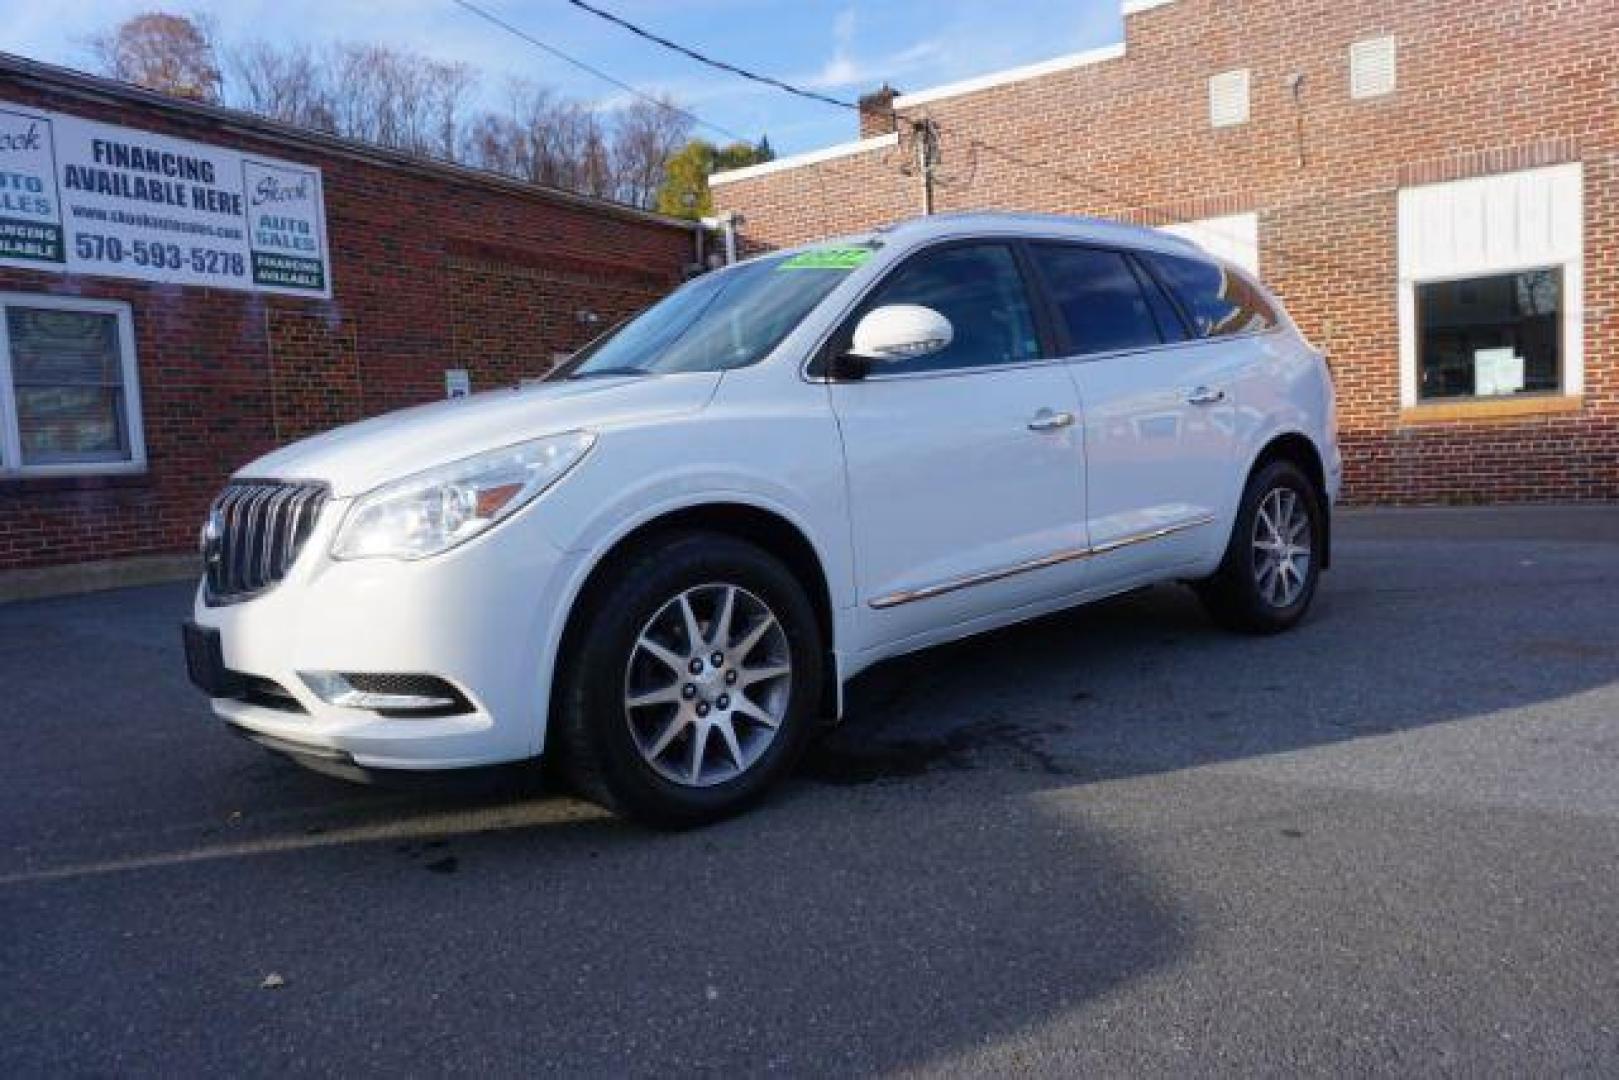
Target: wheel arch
x=1301 y=450
x=763 y=527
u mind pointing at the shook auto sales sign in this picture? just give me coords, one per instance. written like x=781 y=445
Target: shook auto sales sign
x=89 y=198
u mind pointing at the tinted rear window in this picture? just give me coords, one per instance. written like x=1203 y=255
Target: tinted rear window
x=1217 y=302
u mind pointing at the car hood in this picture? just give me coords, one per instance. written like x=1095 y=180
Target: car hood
x=358 y=457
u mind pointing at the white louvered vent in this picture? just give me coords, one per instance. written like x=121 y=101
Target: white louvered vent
x=1228 y=98
x=1371 y=67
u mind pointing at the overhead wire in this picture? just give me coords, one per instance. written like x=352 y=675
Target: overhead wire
x=703 y=58
x=1147 y=214
x=551 y=50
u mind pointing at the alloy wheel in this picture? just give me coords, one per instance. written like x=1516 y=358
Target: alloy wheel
x=707 y=685
x=1281 y=547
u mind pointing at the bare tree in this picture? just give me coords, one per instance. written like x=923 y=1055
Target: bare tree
x=386 y=96
x=398 y=99
x=358 y=109
x=285 y=84
x=452 y=83
x=493 y=141
x=645 y=136
x=409 y=102
x=546 y=139
x=171 y=53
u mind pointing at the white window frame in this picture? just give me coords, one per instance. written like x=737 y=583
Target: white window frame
x=11 y=458
x=1431 y=264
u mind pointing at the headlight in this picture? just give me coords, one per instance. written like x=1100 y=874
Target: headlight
x=435 y=510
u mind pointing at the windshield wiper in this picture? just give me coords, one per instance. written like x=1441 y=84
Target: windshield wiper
x=604 y=372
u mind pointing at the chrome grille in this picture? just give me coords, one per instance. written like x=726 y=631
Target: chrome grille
x=254 y=533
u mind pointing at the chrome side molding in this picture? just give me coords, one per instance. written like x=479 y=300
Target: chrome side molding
x=1151 y=534
x=1056 y=558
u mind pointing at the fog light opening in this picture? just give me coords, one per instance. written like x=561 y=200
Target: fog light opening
x=392 y=695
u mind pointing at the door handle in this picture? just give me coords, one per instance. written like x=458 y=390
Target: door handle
x=1046 y=420
x=1205 y=396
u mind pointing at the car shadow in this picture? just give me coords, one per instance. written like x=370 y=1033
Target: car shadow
x=1411 y=629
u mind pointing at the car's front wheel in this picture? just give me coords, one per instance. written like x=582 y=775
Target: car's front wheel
x=1272 y=562
x=689 y=689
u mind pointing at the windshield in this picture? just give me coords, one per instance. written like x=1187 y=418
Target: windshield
x=720 y=321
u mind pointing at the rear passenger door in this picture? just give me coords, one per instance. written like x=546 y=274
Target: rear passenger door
x=1159 y=415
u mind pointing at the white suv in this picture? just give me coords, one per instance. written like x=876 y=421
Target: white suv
x=660 y=566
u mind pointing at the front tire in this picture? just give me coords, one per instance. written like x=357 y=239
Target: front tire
x=1272 y=562
x=691 y=687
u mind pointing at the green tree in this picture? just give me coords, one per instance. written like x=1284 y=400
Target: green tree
x=684 y=192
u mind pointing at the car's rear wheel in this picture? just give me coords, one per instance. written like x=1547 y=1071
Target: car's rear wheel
x=691 y=687
x=1272 y=563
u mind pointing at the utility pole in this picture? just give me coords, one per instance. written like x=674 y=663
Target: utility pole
x=927 y=159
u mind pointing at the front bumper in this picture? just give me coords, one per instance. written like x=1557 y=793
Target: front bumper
x=484 y=617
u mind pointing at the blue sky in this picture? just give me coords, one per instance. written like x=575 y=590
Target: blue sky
x=842 y=47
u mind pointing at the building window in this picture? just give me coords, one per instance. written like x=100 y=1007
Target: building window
x=69 y=399
x=1371 y=68
x=1228 y=98
x=1490 y=336
x=1491 y=287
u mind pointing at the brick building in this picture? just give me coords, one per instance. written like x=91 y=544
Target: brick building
x=185 y=287
x=1432 y=186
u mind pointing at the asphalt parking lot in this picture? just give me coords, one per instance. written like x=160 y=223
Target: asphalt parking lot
x=1115 y=841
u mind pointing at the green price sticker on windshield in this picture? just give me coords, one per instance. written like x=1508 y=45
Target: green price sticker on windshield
x=836 y=258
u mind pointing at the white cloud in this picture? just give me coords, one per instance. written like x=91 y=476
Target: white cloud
x=845 y=68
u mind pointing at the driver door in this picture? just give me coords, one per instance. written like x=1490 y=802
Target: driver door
x=965 y=468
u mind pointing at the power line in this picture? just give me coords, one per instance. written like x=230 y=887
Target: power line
x=1152 y=216
x=720 y=65
x=933 y=129
x=551 y=50
x=1062 y=174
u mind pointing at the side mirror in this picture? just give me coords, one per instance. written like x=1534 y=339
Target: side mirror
x=900 y=332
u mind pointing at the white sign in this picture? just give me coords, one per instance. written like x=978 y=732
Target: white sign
x=1497 y=371
x=457 y=383
x=89 y=198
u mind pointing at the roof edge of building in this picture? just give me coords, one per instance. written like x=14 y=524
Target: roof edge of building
x=827 y=153
x=61 y=80
x=979 y=83
x=1054 y=65
x=989 y=81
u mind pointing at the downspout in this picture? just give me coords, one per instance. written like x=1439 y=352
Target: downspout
x=726 y=224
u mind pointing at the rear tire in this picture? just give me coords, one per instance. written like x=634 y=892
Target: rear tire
x=1272 y=562
x=691 y=686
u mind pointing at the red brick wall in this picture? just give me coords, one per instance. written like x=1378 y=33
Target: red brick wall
x=429 y=271
x=513 y=312
x=1483 y=87
x=315 y=380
